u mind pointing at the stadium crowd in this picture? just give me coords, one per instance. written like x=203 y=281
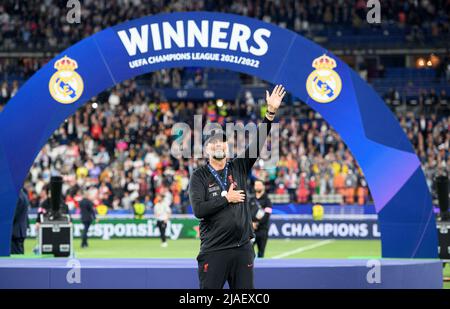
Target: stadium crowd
x=118 y=148
x=37 y=24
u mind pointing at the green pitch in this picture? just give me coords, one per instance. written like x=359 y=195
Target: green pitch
x=188 y=248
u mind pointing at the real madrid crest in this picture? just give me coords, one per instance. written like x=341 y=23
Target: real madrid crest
x=323 y=84
x=66 y=85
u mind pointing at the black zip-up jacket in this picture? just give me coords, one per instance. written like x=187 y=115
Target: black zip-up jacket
x=224 y=225
x=87 y=210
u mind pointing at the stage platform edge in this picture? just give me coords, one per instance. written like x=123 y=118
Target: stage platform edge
x=60 y=273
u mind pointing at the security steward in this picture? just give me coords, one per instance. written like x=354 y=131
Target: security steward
x=87 y=211
x=217 y=195
x=261 y=208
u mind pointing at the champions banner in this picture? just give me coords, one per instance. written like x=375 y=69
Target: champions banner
x=324 y=229
x=132 y=228
x=188 y=228
x=202 y=39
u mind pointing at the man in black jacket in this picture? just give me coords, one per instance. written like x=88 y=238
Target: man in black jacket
x=20 y=223
x=217 y=196
x=87 y=217
x=261 y=208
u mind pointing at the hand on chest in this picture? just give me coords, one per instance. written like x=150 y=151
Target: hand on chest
x=215 y=189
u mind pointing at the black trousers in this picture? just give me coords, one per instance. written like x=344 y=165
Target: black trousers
x=162 y=229
x=261 y=241
x=17 y=245
x=84 y=236
x=233 y=265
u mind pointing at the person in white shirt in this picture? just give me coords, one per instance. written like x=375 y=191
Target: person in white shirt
x=162 y=212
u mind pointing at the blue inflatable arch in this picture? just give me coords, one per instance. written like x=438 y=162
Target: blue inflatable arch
x=237 y=43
